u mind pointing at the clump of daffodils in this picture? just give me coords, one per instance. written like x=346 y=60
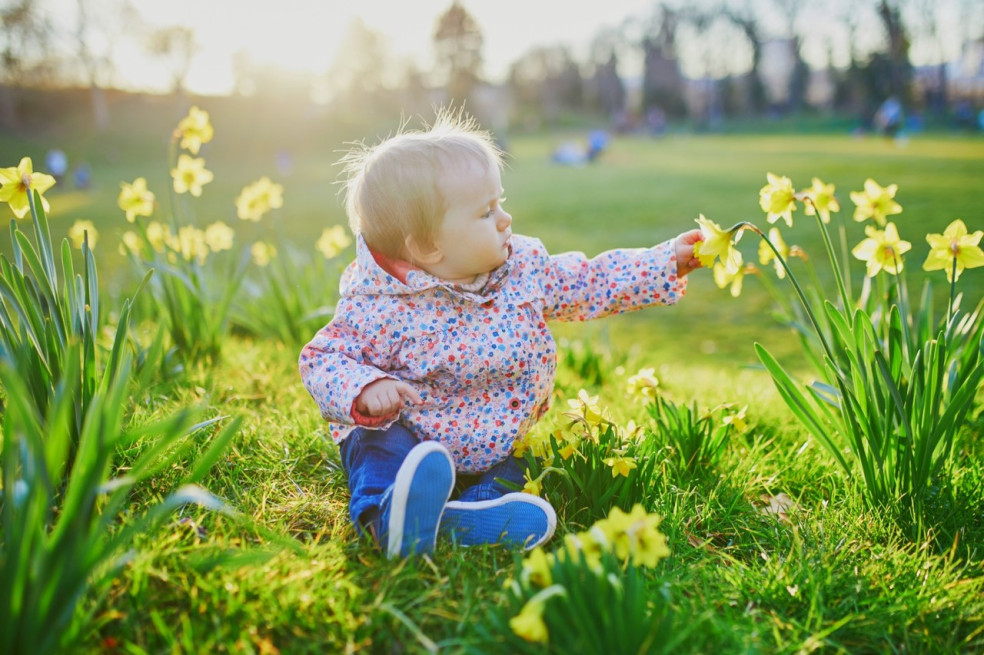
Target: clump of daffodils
x=188 y=243
x=627 y=539
x=882 y=249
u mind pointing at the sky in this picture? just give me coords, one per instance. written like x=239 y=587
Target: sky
x=303 y=35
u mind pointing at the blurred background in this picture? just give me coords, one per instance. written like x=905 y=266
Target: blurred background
x=691 y=103
x=627 y=64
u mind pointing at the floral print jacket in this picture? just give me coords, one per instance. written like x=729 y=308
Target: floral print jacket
x=484 y=361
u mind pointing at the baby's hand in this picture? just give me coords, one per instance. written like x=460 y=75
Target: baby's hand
x=384 y=397
x=684 y=249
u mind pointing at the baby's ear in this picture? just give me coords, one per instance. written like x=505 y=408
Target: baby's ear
x=420 y=253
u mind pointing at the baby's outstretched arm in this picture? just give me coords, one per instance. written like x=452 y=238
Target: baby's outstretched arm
x=683 y=246
x=385 y=397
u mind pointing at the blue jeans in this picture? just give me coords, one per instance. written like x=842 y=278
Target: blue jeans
x=371 y=459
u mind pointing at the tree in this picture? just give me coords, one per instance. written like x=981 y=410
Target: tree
x=900 y=70
x=99 y=25
x=606 y=92
x=662 y=81
x=799 y=78
x=458 y=44
x=175 y=45
x=547 y=81
x=927 y=18
x=24 y=48
x=743 y=17
x=358 y=69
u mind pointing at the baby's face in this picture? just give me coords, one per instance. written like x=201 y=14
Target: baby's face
x=474 y=236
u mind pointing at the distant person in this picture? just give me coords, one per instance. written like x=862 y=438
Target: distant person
x=597 y=142
x=888 y=118
x=57 y=163
x=656 y=121
x=82 y=177
x=438 y=359
x=284 y=161
x=569 y=153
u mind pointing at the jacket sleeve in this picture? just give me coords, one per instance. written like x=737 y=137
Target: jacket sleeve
x=339 y=362
x=577 y=288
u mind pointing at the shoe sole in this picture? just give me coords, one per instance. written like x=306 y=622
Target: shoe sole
x=499 y=519
x=425 y=493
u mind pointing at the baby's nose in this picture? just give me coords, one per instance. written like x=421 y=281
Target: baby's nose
x=505 y=220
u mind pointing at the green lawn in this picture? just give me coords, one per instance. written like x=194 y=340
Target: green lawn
x=772 y=548
x=641 y=192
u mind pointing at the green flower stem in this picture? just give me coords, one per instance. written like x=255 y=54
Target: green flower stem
x=811 y=270
x=903 y=288
x=43 y=236
x=953 y=296
x=845 y=298
x=177 y=208
x=780 y=299
x=846 y=254
x=745 y=225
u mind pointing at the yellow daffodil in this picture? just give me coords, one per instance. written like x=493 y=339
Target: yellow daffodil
x=21 y=180
x=135 y=199
x=190 y=243
x=157 y=235
x=219 y=236
x=262 y=253
x=567 y=451
x=537 y=442
x=882 y=250
x=529 y=625
x=767 y=255
x=131 y=243
x=723 y=278
x=635 y=536
x=823 y=200
x=586 y=409
x=621 y=465
x=716 y=245
x=875 y=202
x=536 y=568
x=643 y=384
x=258 y=198
x=333 y=240
x=195 y=129
x=954 y=250
x=737 y=419
x=589 y=544
x=190 y=175
x=533 y=486
x=778 y=199
x=81 y=231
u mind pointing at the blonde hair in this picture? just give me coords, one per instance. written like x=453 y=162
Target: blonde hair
x=393 y=189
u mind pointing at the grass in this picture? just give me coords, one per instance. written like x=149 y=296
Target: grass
x=772 y=554
x=772 y=551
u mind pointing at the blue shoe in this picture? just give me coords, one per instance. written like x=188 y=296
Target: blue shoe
x=411 y=509
x=512 y=519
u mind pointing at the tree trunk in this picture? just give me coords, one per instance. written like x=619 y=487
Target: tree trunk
x=100 y=108
x=9 y=118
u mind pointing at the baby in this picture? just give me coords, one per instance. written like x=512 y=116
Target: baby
x=438 y=358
